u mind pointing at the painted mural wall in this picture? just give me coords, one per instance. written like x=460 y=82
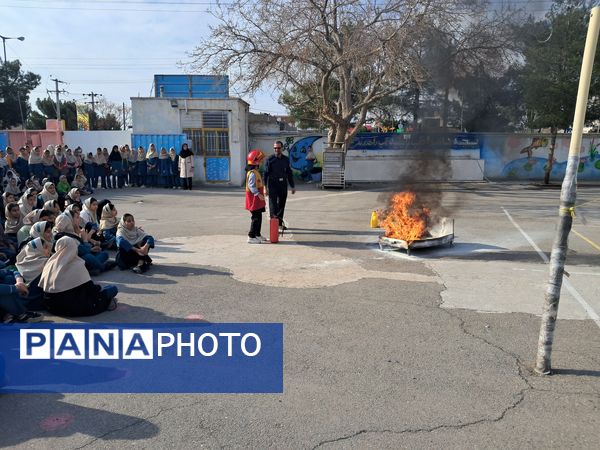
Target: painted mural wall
x=297 y=148
x=524 y=156
x=501 y=156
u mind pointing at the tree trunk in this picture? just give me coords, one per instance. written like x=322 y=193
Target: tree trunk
x=446 y=104
x=550 y=162
x=341 y=131
x=416 y=105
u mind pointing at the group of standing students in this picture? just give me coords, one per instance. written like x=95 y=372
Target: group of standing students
x=118 y=168
x=125 y=167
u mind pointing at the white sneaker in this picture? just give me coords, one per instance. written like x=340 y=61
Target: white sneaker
x=254 y=240
x=262 y=239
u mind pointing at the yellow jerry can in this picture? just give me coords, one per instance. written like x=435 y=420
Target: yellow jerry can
x=374 y=220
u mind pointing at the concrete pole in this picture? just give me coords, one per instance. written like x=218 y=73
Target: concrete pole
x=57 y=92
x=543 y=363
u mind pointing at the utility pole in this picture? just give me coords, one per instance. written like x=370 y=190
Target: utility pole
x=93 y=96
x=57 y=92
x=124 y=124
x=568 y=195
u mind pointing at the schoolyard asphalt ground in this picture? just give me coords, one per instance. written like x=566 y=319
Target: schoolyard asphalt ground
x=382 y=350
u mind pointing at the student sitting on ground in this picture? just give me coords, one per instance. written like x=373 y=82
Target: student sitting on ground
x=109 y=222
x=35 y=216
x=13 y=291
x=48 y=193
x=27 y=201
x=73 y=198
x=133 y=246
x=30 y=263
x=68 y=289
x=67 y=224
x=14 y=221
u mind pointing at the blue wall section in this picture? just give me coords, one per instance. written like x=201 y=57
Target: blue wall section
x=217 y=169
x=191 y=86
x=159 y=140
x=3 y=140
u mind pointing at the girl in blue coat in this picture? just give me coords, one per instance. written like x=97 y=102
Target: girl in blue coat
x=141 y=169
x=164 y=169
x=152 y=164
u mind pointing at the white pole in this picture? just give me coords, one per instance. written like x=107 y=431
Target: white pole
x=568 y=193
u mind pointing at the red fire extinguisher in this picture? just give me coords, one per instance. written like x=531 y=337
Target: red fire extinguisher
x=274 y=230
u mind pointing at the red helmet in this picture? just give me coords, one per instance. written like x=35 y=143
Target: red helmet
x=255 y=157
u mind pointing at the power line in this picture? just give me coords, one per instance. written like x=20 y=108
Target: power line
x=71 y=8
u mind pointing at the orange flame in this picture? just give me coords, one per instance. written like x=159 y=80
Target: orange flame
x=403 y=220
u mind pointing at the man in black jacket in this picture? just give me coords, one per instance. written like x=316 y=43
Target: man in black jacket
x=277 y=175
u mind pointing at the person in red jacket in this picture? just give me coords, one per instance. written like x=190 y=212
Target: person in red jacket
x=255 y=196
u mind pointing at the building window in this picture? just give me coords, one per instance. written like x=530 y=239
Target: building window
x=216 y=142
x=212 y=139
x=195 y=136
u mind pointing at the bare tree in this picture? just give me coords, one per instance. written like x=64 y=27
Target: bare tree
x=105 y=108
x=352 y=52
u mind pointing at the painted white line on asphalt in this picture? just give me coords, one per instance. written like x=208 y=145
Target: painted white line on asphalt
x=586 y=306
x=526 y=236
x=545 y=271
x=330 y=195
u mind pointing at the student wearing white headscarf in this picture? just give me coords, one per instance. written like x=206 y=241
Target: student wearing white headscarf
x=30 y=263
x=68 y=289
x=42 y=230
x=37 y=215
x=14 y=220
x=88 y=212
x=27 y=201
x=109 y=221
x=152 y=164
x=49 y=192
x=73 y=197
x=67 y=224
x=12 y=184
x=133 y=246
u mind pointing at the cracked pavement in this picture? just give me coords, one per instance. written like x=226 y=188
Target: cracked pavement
x=381 y=350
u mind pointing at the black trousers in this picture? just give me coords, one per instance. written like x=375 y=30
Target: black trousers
x=187 y=183
x=277 y=198
x=256 y=222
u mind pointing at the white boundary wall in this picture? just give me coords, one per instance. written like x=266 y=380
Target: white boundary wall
x=89 y=141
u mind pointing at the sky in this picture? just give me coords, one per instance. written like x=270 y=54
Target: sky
x=114 y=47
x=111 y=47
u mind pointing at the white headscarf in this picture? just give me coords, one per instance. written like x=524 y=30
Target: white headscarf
x=163 y=155
x=47 y=195
x=24 y=205
x=107 y=221
x=31 y=260
x=38 y=229
x=64 y=269
x=32 y=217
x=13 y=187
x=64 y=223
x=35 y=157
x=12 y=225
x=134 y=236
x=151 y=152
x=87 y=215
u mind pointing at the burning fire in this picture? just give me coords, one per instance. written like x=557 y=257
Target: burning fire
x=403 y=219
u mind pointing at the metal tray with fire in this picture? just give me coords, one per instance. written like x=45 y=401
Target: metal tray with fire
x=442 y=233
